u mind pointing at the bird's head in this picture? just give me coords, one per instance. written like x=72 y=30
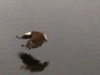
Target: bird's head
x=28 y=33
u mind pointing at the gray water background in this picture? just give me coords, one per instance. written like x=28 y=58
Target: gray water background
x=72 y=27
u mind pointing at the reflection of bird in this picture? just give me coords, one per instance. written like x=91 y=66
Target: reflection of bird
x=32 y=63
x=36 y=39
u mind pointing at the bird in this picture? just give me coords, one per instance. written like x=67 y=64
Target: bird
x=31 y=63
x=36 y=39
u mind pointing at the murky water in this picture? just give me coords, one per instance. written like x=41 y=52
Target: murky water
x=72 y=27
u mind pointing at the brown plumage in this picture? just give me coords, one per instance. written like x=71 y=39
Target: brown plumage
x=36 y=39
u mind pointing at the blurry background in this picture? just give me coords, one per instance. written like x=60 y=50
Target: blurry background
x=72 y=27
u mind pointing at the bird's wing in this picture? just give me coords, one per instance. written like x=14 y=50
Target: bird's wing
x=36 y=40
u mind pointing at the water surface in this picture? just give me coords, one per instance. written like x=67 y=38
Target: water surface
x=72 y=27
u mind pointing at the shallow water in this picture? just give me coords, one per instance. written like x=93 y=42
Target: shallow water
x=73 y=31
